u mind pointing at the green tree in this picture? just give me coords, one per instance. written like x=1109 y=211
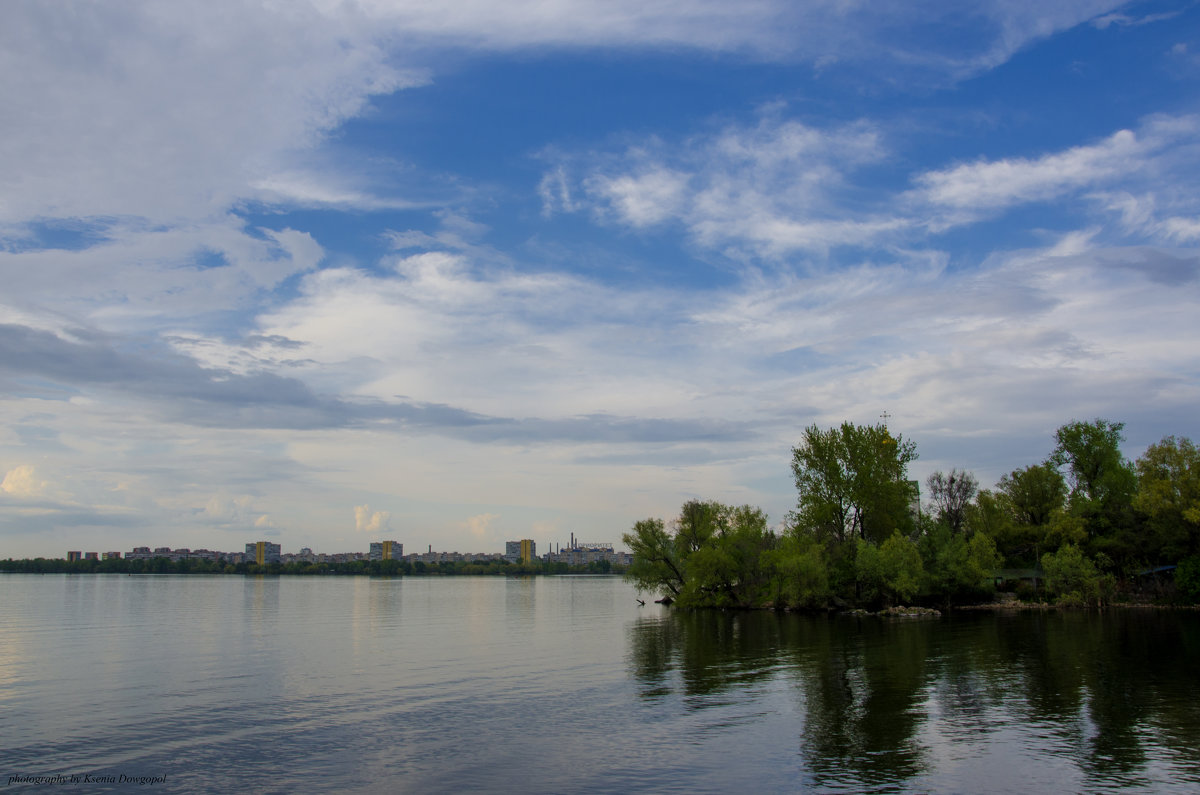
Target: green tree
x=1034 y=498
x=1074 y=578
x=1034 y=493
x=1187 y=578
x=729 y=567
x=959 y=568
x=799 y=572
x=852 y=482
x=657 y=565
x=1102 y=483
x=990 y=513
x=1169 y=494
x=1091 y=452
x=891 y=572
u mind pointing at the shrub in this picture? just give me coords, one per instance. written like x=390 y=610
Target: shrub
x=1187 y=578
x=1070 y=572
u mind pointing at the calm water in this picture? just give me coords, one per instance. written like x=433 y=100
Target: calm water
x=565 y=684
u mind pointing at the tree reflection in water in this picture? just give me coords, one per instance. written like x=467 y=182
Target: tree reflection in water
x=1087 y=699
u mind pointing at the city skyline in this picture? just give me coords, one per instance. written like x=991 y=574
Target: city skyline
x=335 y=272
x=267 y=551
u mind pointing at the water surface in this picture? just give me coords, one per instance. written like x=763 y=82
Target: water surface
x=565 y=684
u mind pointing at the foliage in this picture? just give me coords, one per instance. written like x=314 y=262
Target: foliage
x=1168 y=492
x=950 y=495
x=958 y=568
x=726 y=568
x=890 y=572
x=1034 y=493
x=657 y=565
x=717 y=556
x=800 y=573
x=1091 y=453
x=1070 y=573
x=1187 y=578
x=852 y=482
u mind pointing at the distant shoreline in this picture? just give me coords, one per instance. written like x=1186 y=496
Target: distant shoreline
x=356 y=568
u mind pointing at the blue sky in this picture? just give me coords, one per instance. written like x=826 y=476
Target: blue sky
x=329 y=272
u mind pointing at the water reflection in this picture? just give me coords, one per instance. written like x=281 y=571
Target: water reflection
x=1087 y=700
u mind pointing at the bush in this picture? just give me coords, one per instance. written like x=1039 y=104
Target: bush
x=1187 y=578
x=1072 y=599
x=1027 y=593
x=1070 y=573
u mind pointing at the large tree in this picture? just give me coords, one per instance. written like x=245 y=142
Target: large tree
x=1169 y=494
x=1102 y=483
x=657 y=565
x=949 y=496
x=712 y=555
x=1098 y=472
x=1034 y=498
x=853 y=482
x=1035 y=493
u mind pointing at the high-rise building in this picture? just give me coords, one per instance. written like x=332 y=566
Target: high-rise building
x=386 y=550
x=74 y=555
x=524 y=550
x=263 y=552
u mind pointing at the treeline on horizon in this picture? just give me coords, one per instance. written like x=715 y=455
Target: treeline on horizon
x=370 y=568
x=1086 y=526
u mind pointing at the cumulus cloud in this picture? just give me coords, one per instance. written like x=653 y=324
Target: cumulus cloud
x=367 y=522
x=480 y=526
x=22 y=481
x=233 y=512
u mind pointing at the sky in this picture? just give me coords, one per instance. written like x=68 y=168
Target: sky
x=323 y=272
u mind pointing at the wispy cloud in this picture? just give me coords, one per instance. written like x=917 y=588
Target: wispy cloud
x=775 y=188
x=992 y=185
x=783 y=189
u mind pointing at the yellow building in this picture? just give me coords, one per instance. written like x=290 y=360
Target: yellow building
x=386 y=550
x=264 y=552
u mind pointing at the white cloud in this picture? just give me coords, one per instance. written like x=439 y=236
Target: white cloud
x=480 y=526
x=1182 y=229
x=367 y=522
x=992 y=185
x=775 y=188
x=977 y=366
x=171 y=111
x=137 y=276
x=22 y=481
x=229 y=511
x=781 y=189
x=642 y=199
x=996 y=184
x=181 y=110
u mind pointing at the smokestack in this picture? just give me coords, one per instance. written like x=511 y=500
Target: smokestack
x=431 y=549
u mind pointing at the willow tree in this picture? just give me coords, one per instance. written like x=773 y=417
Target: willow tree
x=712 y=555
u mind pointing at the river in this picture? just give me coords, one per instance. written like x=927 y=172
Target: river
x=566 y=684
